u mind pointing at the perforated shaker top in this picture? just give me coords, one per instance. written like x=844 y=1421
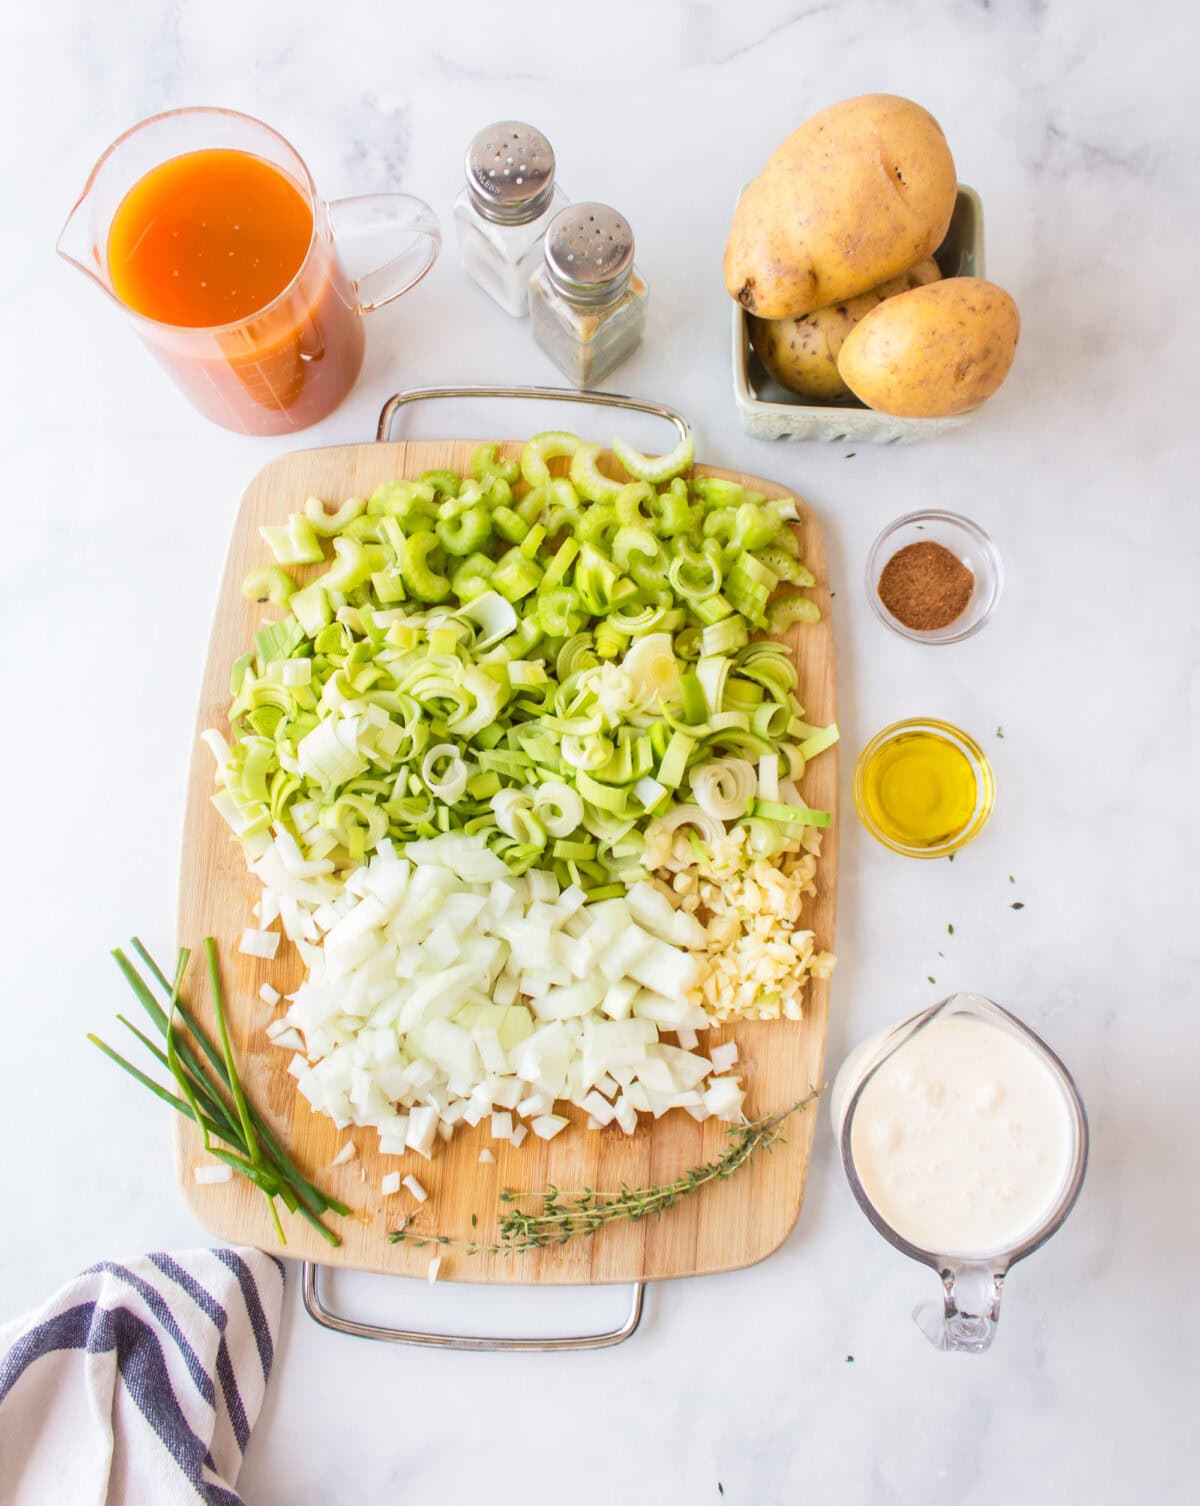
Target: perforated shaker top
x=589 y=252
x=510 y=172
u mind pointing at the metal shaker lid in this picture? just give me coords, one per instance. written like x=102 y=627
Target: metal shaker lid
x=510 y=172
x=589 y=253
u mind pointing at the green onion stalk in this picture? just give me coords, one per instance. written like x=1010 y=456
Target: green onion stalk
x=209 y=1088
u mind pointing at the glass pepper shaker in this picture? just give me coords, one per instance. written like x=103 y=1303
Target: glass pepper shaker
x=587 y=302
x=502 y=213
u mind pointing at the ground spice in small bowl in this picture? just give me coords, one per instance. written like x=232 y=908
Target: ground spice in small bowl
x=925 y=586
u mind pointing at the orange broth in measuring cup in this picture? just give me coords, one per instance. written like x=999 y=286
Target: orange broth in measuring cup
x=207 y=238
x=222 y=241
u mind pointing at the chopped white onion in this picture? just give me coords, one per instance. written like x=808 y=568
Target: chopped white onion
x=390 y=1183
x=724 y=1098
x=723 y=1056
x=262 y=944
x=422 y=1127
x=444 y=990
x=415 y=1188
x=599 y=1108
x=285 y=1037
x=207 y=1175
x=347 y=1153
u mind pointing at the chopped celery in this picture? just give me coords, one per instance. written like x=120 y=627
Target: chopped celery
x=312 y=609
x=326 y=524
x=790 y=609
x=509 y=525
x=423 y=582
x=271 y=584
x=353 y=564
x=712 y=609
x=532 y=541
x=472 y=578
x=587 y=478
x=388 y=585
x=447 y=483
x=656 y=468
x=467 y=531
x=562 y=562
x=541 y=449
x=485 y=466
x=515 y=576
x=294 y=543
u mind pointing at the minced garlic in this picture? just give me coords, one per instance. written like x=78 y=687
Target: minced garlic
x=757 y=958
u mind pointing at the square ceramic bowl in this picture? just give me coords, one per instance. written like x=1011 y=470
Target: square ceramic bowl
x=769 y=411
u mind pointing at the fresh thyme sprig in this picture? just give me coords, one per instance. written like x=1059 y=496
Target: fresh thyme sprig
x=216 y=1104
x=561 y=1217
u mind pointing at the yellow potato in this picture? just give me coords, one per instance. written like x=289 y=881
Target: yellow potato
x=938 y=350
x=857 y=194
x=801 y=354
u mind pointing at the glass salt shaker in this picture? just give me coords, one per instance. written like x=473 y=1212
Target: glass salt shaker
x=587 y=302
x=502 y=213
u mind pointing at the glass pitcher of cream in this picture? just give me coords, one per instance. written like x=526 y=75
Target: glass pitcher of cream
x=205 y=227
x=965 y=1142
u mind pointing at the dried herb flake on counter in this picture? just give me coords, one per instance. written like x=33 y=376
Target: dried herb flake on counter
x=925 y=586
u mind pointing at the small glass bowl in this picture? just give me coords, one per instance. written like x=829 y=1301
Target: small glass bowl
x=964 y=539
x=985 y=785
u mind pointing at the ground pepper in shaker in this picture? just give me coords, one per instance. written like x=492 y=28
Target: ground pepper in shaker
x=587 y=302
x=502 y=213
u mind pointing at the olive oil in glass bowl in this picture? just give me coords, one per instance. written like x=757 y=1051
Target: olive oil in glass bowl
x=924 y=788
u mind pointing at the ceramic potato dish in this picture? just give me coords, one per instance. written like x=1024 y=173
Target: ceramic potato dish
x=769 y=411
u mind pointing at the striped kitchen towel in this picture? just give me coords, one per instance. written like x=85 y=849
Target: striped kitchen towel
x=138 y=1383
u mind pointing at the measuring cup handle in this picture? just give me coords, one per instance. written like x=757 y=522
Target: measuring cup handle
x=964 y=1321
x=388 y=214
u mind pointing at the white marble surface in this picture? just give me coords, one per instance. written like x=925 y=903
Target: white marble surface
x=1076 y=121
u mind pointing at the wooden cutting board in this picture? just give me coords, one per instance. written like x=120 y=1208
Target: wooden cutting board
x=727 y=1225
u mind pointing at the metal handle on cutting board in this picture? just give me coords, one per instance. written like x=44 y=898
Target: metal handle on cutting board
x=550 y=394
x=321 y=1314
x=313 y=1305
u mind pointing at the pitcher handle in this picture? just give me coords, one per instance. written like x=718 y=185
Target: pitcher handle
x=388 y=213
x=964 y=1321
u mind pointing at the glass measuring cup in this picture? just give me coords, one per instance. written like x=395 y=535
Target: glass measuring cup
x=965 y=1319
x=292 y=361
